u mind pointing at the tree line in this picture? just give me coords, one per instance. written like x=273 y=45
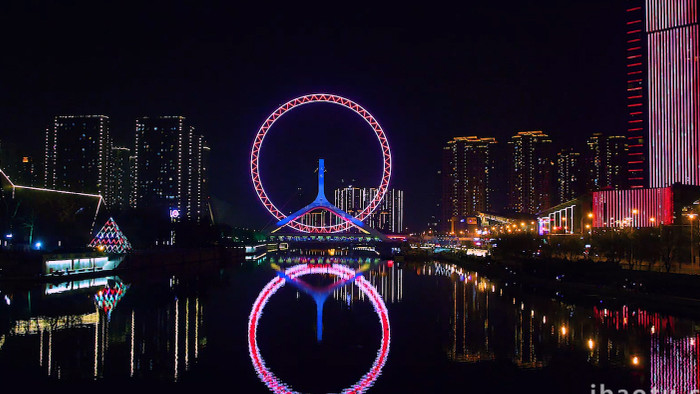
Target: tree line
x=664 y=247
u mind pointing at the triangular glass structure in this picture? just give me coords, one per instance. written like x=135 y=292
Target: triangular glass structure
x=111 y=238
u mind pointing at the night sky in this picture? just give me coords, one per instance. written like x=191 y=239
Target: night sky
x=427 y=75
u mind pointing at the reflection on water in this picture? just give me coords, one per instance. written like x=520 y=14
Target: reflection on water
x=90 y=342
x=634 y=339
x=346 y=277
x=156 y=329
x=674 y=364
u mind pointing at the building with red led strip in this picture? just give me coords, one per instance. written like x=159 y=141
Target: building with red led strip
x=633 y=207
x=636 y=95
x=663 y=92
x=647 y=207
x=674 y=92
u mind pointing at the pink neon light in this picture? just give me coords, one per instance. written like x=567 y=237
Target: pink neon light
x=316 y=98
x=674 y=97
x=344 y=273
x=614 y=208
x=666 y=14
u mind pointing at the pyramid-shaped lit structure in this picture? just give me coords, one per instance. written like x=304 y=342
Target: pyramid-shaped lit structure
x=111 y=238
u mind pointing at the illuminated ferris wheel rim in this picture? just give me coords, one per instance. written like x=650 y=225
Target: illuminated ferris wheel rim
x=343 y=272
x=319 y=98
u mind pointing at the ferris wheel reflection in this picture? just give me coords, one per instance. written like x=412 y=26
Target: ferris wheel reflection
x=292 y=275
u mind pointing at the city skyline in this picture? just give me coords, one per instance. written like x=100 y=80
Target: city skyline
x=227 y=80
x=514 y=184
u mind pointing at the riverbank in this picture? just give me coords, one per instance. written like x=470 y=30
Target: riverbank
x=587 y=281
x=32 y=266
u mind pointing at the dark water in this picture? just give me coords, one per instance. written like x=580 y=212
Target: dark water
x=386 y=327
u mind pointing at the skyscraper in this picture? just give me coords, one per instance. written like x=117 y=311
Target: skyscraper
x=663 y=88
x=531 y=173
x=170 y=168
x=119 y=178
x=606 y=162
x=638 y=162
x=569 y=175
x=77 y=154
x=20 y=165
x=467 y=174
x=198 y=175
x=387 y=218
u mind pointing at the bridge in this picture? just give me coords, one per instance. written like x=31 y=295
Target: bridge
x=365 y=236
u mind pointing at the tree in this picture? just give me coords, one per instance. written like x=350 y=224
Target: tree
x=670 y=238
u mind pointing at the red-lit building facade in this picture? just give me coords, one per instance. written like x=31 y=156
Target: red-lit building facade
x=633 y=208
x=647 y=207
x=663 y=92
x=636 y=96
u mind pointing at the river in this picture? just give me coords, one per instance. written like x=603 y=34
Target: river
x=385 y=326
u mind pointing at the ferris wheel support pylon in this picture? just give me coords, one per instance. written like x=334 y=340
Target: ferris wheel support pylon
x=322 y=203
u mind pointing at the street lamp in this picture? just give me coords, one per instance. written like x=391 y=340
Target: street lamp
x=563 y=224
x=691 y=216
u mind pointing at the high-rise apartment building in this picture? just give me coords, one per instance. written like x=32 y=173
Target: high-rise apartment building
x=20 y=165
x=77 y=154
x=387 y=218
x=606 y=162
x=663 y=92
x=531 y=185
x=467 y=174
x=170 y=168
x=570 y=182
x=119 y=181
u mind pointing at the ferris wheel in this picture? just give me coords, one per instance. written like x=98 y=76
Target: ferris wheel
x=294 y=221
